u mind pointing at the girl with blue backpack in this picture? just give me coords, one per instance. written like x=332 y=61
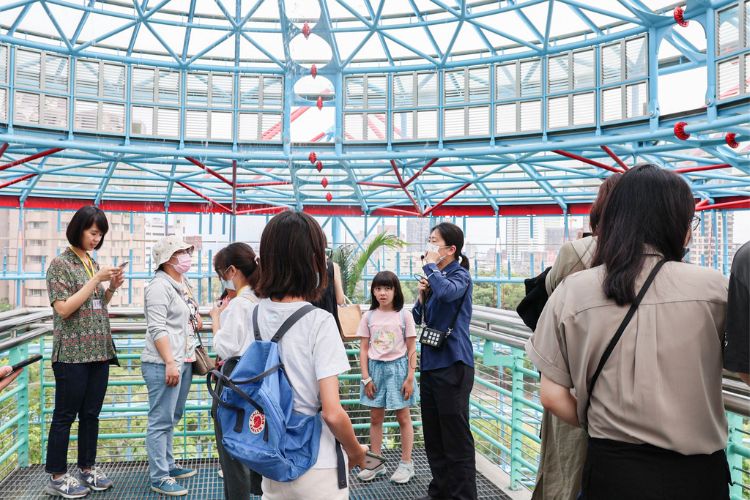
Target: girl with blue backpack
x=388 y=349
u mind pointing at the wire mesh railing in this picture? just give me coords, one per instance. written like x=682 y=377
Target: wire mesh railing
x=505 y=409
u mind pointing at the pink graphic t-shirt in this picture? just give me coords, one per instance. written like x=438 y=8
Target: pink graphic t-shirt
x=385 y=333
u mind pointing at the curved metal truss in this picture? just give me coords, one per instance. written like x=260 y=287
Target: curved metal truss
x=348 y=107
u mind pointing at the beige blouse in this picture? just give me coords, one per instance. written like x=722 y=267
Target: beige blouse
x=662 y=384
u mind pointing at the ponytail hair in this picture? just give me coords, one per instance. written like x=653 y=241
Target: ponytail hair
x=453 y=236
x=241 y=256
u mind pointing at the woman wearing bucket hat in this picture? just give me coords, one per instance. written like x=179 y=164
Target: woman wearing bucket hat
x=166 y=363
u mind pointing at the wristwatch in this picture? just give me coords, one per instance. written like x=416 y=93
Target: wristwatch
x=366 y=381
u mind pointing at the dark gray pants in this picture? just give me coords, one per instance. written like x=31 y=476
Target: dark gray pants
x=240 y=483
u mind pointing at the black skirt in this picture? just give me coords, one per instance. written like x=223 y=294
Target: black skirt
x=622 y=471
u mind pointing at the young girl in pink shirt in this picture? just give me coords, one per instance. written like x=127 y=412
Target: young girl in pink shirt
x=388 y=350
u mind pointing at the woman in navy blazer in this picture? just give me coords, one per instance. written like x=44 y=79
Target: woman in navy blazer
x=447 y=373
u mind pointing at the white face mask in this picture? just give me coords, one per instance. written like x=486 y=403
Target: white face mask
x=431 y=247
x=228 y=284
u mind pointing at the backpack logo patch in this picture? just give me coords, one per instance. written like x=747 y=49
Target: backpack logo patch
x=257 y=422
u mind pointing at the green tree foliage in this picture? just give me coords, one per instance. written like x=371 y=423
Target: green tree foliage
x=353 y=262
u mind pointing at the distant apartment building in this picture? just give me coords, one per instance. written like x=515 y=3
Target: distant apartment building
x=706 y=247
x=40 y=236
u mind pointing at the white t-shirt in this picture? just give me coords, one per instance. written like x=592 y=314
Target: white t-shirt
x=386 y=333
x=311 y=350
x=234 y=336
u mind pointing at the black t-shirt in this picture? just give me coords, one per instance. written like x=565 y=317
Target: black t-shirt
x=737 y=343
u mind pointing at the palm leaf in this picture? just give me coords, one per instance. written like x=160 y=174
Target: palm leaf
x=380 y=240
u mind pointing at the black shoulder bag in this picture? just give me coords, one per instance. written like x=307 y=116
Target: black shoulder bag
x=436 y=338
x=618 y=334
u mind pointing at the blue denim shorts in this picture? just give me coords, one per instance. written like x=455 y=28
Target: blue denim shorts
x=388 y=377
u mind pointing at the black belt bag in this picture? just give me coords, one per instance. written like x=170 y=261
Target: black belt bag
x=436 y=338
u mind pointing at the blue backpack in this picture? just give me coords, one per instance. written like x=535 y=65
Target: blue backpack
x=256 y=413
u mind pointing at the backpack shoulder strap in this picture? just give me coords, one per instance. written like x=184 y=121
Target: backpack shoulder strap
x=403 y=323
x=256 y=330
x=291 y=320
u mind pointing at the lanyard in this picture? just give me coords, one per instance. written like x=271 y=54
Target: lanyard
x=89 y=267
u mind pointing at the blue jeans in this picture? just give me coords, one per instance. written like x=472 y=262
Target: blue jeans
x=166 y=405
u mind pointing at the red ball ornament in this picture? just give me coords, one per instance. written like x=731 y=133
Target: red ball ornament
x=320 y=102
x=319 y=165
x=329 y=197
x=312 y=157
x=679 y=131
x=324 y=182
x=731 y=139
x=314 y=71
x=679 y=16
x=306 y=30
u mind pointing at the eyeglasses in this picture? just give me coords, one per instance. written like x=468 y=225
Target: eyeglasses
x=188 y=251
x=696 y=222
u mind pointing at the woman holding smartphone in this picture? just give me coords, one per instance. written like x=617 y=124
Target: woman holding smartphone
x=82 y=349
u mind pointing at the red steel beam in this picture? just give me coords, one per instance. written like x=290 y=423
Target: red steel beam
x=15 y=181
x=208 y=199
x=701 y=168
x=447 y=198
x=403 y=187
x=262 y=210
x=209 y=170
x=594 y=163
x=3 y=148
x=701 y=203
x=614 y=157
x=33 y=157
x=729 y=204
x=395 y=211
x=428 y=165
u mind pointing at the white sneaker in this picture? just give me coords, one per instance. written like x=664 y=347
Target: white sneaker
x=370 y=474
x=403 y=473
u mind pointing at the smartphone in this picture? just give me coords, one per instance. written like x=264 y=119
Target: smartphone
x=25 y=362
x=122 y=265
x=373 y=461
x=418 y=277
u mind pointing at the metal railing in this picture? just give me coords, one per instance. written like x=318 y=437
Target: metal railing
x=505 y=408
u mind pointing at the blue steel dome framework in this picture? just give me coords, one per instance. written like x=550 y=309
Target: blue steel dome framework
x=456 y=107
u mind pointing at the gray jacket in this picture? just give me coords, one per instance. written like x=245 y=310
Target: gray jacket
x=167 y=314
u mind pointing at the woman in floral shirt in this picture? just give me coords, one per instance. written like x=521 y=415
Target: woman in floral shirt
x=82 y=350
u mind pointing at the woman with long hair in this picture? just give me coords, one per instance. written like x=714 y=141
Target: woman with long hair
x=650 y=398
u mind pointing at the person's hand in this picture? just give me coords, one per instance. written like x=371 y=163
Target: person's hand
x=172 y=374
x=423 y=285
x=216 y=310
x=358 y=459
x=5 y=370
x=107 y=273
x=431 y=257
x=407 y=389
x=117 y=280
x=370 y=389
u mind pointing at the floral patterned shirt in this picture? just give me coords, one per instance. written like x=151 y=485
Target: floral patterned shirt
x=85 y=335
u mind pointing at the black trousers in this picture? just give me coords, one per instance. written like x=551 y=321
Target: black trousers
x=622 y=471
x=447 y=437
x=79 y=391
x=239 y=481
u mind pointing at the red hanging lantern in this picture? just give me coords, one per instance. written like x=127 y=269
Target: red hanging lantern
x=306 y=30
x=329 y=197
x=679 y=131
x=312 y=157
x=731 y=139
x=679 y=16
x=320 y=102
x=324 y=182
x=314 y=71
x=319 y=165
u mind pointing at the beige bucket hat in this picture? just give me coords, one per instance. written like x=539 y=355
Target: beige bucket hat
x=166 y=247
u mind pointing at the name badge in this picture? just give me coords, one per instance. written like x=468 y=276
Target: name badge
x=97 y=303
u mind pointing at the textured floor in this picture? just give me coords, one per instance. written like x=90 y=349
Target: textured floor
x=131 y=482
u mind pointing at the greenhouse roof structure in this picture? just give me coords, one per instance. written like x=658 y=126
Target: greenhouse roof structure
x=408 y=107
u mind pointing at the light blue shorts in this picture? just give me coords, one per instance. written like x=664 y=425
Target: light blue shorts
x=388 y=377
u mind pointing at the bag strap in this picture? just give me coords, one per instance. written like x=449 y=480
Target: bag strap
x=285 y=326
x=620 y=331
x=340 y=467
